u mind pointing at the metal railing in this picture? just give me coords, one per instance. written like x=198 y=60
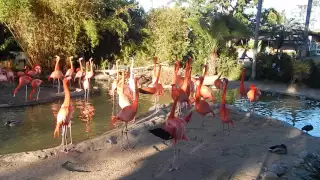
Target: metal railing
x=314 y=49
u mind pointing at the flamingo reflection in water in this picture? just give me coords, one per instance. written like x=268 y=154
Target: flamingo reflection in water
x=86 y=115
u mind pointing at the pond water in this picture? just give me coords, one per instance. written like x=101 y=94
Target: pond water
x=93 y=118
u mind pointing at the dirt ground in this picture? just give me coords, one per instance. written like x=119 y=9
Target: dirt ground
x=208 y=154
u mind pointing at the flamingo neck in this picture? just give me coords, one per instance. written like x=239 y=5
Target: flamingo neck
x=158 y=75
x=56 y=67
x=205 y=70
x=198 y=90
x=66 y=101
x=117 y=67
x=173 y=108
x=71 y=64
x=81 y=67
x=224 y=94
x=136 y=98
x=91 y=66
x=242 y=76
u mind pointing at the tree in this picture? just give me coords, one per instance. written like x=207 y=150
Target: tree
x=168 y=33
x=44 y=28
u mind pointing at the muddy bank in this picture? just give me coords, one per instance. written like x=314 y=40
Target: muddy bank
x=209 y=154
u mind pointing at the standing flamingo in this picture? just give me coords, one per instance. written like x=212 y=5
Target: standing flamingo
x=79 y=73
x=201 y=106
x=224 y=111
x=123 y=96
x=64 y=117
x=89 y=74
x=176 y=91
x=205 y=91
x=175 y=127
x=253 y=95
x=116 y=81
x=35 y=85
x=156 y=90
x=23 y=81
x=56 y=74
x=70 y=71
x=128 y=113
x=86 y=84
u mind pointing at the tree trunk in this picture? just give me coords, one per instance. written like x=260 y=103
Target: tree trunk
x=306 y=28
x=256 y=40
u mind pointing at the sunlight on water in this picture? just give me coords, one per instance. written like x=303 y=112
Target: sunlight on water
x=93 y=118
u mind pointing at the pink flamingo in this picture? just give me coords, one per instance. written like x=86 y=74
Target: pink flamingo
x=89 y=74
x=79 y=73
x=23 y=81
x=224 y=111
x=128 y=113
x=35 y=85
x=176 y=127
x=56 y=74
x=86 y=84
x=201 y=106
x=64 y=116
x=70 y=71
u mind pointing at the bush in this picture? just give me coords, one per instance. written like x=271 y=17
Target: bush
x=282 y=71
x=313 y=80
x=300 y=71
x=229 y=67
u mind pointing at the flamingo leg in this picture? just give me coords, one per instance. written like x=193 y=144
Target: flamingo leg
x=58 y=85
x=38 y=93
x=126 y=131
x=79 y=83
x=202 y=126
x=174 y=158
x=70 y=133
x=26 y=92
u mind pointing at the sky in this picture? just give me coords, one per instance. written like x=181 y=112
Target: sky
x=279 y=5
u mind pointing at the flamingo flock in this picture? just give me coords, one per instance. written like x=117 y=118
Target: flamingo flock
x=185 y=92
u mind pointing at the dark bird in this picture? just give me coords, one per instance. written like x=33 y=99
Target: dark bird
x=12 y=123
x=307 y=128
x=279 y=149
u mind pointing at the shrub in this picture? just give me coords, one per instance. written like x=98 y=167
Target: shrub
x=229 y=67
x=313 y=80
x=300 y=71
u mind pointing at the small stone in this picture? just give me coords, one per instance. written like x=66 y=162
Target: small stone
x=303 y=154
x=112 y=140
x=269 y=176
x=279 y=169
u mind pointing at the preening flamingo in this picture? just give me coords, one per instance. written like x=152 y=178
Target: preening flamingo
x=56 y=74
x=201 y=106
x=34 y=72
x=64 y=116
x=21 y=73
x=224 y=111
x=128 y=113
x=35 y=86
x=70 y=71
x=10 y=75
x=253 y=95
x=23 y=81
x=79 y=73
x=86 y=84
x=156 y=90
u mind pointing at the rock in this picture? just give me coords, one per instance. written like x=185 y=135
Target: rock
x=303 y=154
x=112 y=140
x=70 y=166
x=269 y=176
x=279 y=169
x=134 y=133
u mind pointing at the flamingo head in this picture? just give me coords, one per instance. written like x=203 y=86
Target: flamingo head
x=78 y=69
x=71 y=57
x=252 y=86
x=37 y=68
x=80 y=59
x=91 y=59
x=57 y=57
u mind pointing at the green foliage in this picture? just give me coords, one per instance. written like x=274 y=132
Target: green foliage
x=301 y=71
x=229 y=67
x=168 y=33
